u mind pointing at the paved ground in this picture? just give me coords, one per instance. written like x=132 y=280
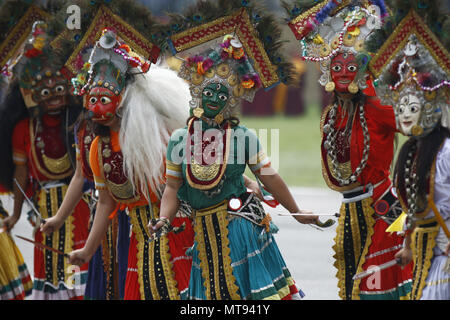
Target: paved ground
x=307 y=251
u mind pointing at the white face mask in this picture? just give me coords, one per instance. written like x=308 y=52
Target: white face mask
x=408 y=113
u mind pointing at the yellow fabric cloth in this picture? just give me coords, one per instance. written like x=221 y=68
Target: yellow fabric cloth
x=10 y=261
x=398 y=224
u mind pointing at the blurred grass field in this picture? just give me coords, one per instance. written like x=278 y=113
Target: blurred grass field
x=299 y=146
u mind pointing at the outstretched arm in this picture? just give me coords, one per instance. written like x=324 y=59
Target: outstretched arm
x=71 y=199
x=278 y=188
x=20 y=175
x=105 y=206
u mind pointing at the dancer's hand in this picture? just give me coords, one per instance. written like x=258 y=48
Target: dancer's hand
x=9 y=222
x=51 y=225
x=254 y=187
x=404 y=256
x=306 y=217
x=447 y=249
x=79 y=257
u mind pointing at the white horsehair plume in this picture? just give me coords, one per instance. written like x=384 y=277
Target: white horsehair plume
x=154 y=105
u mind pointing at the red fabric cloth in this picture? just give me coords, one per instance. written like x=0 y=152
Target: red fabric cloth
x=178 y=244
x=382 y=128
x=21 y=142
x=390 y=244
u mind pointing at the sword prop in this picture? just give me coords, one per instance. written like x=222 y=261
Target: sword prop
x=43 y=246
x=337 y=215
x=319 y=223
x=163 y=231
x=30 y=203
x=374 y=269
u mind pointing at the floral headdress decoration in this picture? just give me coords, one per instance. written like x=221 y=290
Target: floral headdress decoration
x=109 y=61
x=413 y=62
x=109 y=51
x=246 y=55
x=331 y=27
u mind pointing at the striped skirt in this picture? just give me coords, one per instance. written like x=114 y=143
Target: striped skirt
x=362 y=242
x=231 y=262
x=54 y=277
x=157 y=270
x=15 y=281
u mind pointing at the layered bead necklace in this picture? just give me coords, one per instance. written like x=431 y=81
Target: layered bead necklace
x=411 y=186
x=330 y=142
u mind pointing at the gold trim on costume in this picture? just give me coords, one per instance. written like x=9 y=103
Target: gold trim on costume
x=204 y=174
x=68 y=228
x=422 y=264
x=58 y=165
x=206 y=216
x=385 y=54
x=19 y=34
x=338 y=247
x=123 y=193
x=165 y=257
x=133 y=38
x=325 y=176
x=237 y=23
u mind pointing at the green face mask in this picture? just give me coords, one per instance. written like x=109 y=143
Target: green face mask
x=214 y=99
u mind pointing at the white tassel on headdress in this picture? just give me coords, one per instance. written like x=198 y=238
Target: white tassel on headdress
x=154 y=105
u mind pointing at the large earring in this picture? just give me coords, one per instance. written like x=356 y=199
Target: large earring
x=416 y=130
x=329 y=87
x=353 y=88
x=198 y=112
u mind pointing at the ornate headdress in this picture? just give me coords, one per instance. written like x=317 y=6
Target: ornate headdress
x=115 y=55
x=27 y=52
x=107 y=52
x=413 y=64
x=245 y=58
x=412 y=70
x=332 y=27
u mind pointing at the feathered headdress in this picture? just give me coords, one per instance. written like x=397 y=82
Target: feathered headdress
x=327 y=28
x=245 y=55
x=114 y=55
x=413 y=62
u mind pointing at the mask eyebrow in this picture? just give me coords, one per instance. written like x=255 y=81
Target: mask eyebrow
x=103 y=93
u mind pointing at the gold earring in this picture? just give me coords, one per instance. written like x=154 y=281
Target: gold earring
x=353 y=88
x=198 y=112
x=329 y=87
x=416 y=130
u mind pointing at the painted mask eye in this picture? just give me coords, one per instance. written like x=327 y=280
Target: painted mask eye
x=223 y=97
x=45 y=92
x=414 y=109
x=401 y=109
x=336 y=68
x=207 y=93
x=60 y=89
x=92 y=100
x=219 y=86
x=352 y=68
x=105 y=100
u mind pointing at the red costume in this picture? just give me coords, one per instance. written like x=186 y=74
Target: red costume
x=41 y=148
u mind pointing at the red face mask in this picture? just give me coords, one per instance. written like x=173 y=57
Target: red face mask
x=103 y=104
x=343 y=71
